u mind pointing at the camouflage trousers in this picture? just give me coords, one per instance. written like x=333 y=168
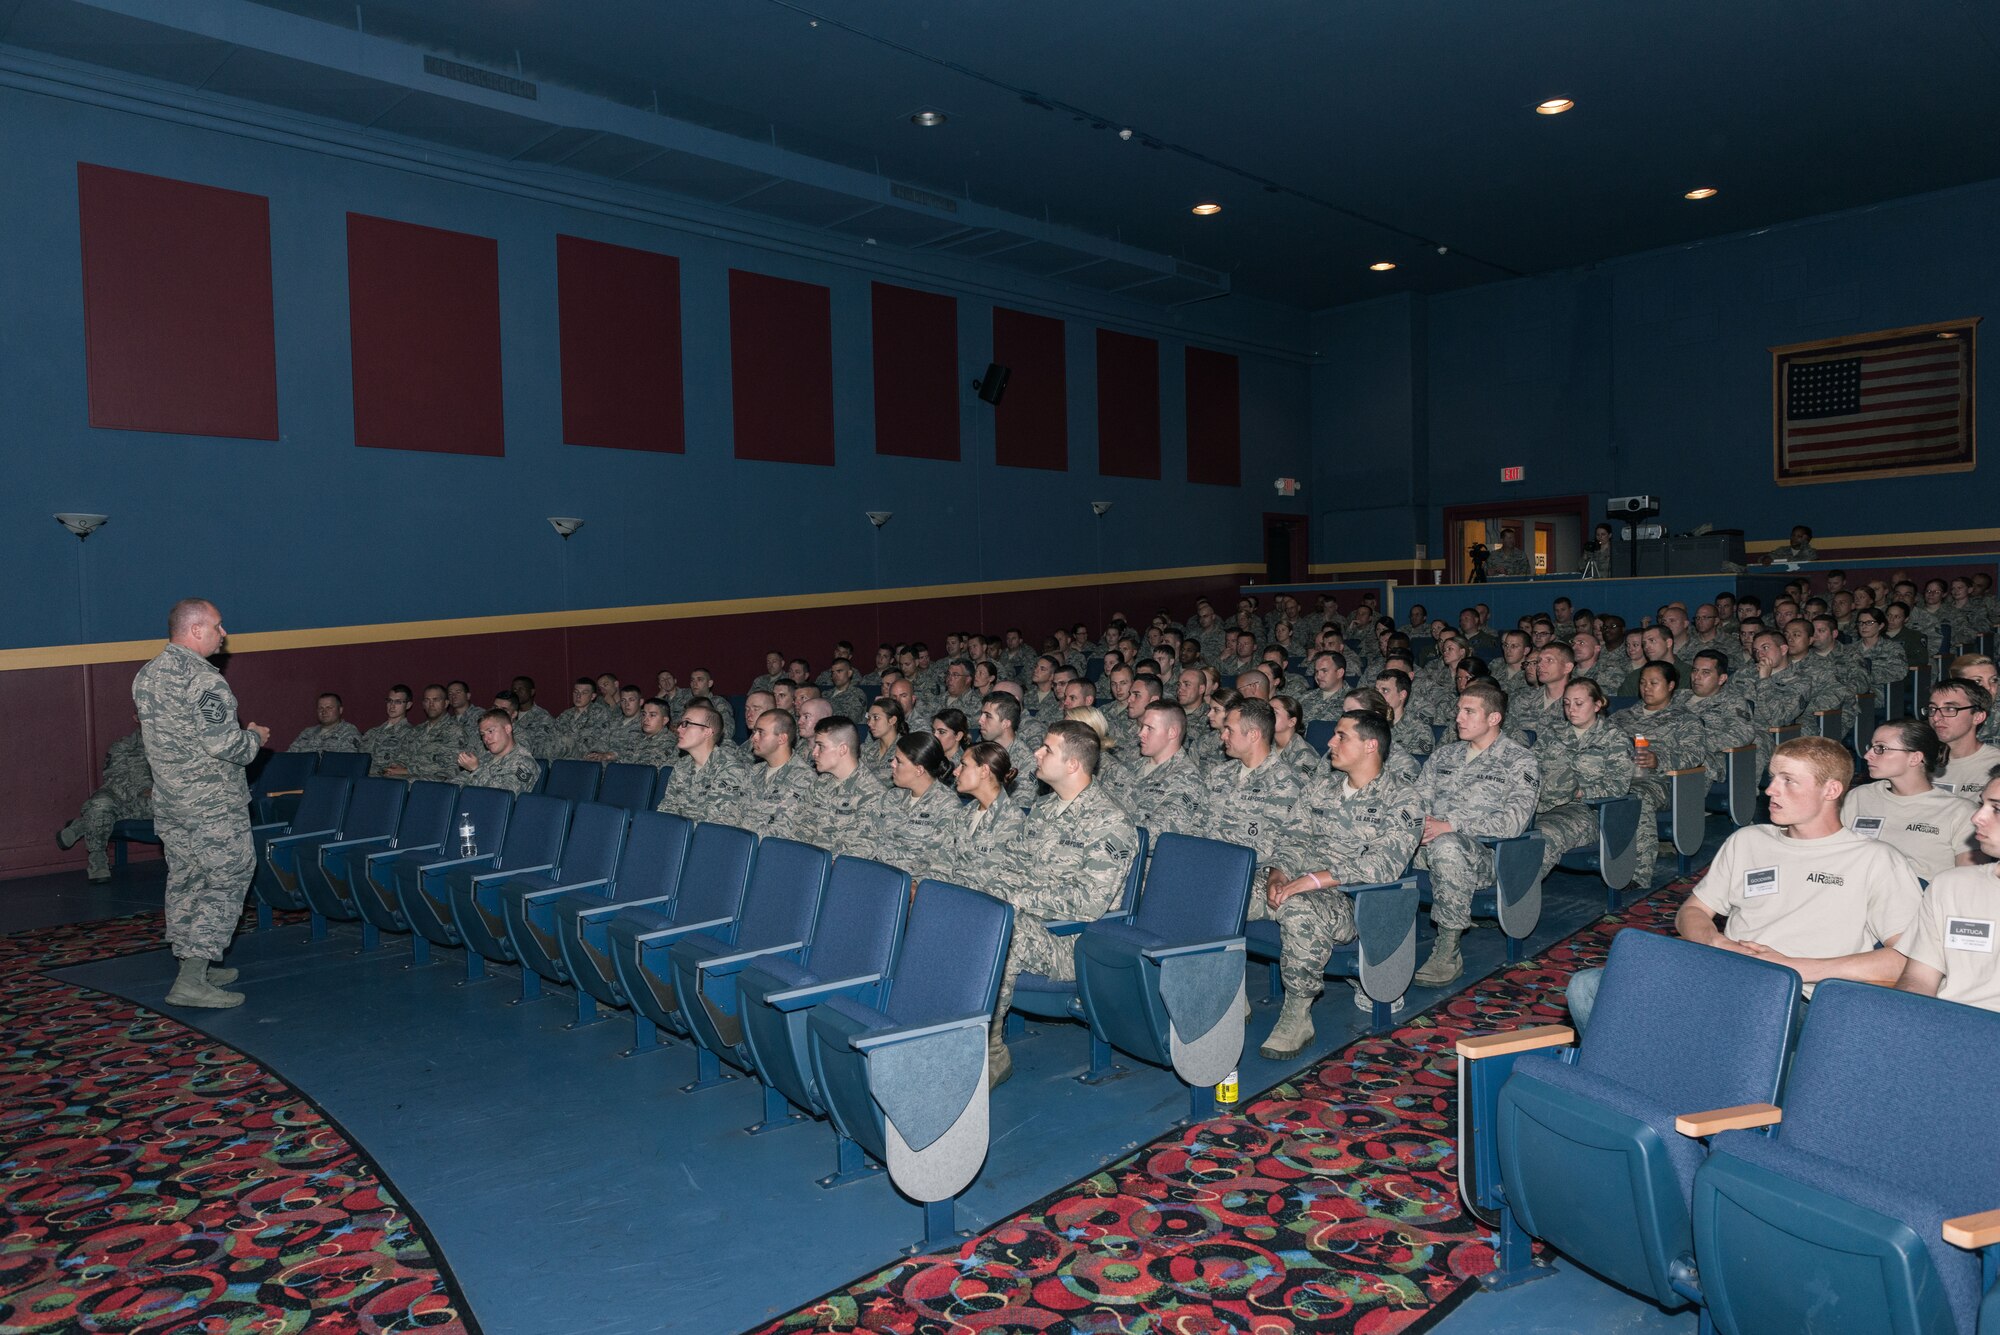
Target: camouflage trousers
x=1310 y=925
x=1459 y=865
x=1033 y=950
x=210 y=861
x=1572 y=825
x=100 y=812
x=1653 y=799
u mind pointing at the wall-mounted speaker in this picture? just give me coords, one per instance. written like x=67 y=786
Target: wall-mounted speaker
x=994 y=384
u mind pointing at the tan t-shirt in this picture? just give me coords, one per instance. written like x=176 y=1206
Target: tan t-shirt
x=1932 y=828
x=1954 y=934
x=1968 y=777
x=1836 y=895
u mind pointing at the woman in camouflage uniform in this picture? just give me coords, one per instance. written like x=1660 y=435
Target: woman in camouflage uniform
x=1587 y=759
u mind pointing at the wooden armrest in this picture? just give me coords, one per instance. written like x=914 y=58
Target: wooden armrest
x=1973 y=1230
x=1740 y=1118
x=1691 y=769
x=286 y=792
x=1516 y=1040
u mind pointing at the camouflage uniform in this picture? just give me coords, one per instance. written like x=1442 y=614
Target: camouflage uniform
x=709 y=792
x=1412 y=736
x=1824 y=688
x=575 y=733
x=1507 y=561
x=772 y=797
x=1069 y=863
x=1850 y=676
x=1576 y=767
x=389 y=744
x=655 y=749
x=1023 y=757
x=341 y=736
x=1492 y=793
x=1167 y=796
x=516 y=772
x=914 y=833
x=975 y=837
x=1776 y=701
x=1362 y=836
x=1531 y=710
x=838 y=814
x=433 y=752
x=876 y=761
x=1305 y=761
x=1928 y=623
x=1677 y=740
x=534 y=729
x=467 y=725
x=1250 y=806
x=126 y=795
x=1725 y=723
x=849 y=702
x=1885 y=664
x=201 y=803
x=1318 y=706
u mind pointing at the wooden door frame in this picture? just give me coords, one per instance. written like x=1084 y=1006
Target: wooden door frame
x=1298 y=527
x=1458 y=569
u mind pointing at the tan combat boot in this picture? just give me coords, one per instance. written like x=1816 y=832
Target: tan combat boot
x=192 y=988
x=1293 y=1031
x=1445 y=963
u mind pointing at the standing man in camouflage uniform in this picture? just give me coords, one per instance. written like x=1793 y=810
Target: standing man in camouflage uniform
x=1070 y=863
x=127 y=794
x=201 y=803
x=1483 y=784
x=1359 y=831
x=332 y=732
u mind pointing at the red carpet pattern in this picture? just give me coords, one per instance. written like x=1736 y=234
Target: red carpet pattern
x=1327 y=1204
x=154 y=1181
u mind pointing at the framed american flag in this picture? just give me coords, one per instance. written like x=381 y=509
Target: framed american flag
x=1886 y=404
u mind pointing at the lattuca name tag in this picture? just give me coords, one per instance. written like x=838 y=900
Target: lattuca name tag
x=1969 y=934
x=1760 y=881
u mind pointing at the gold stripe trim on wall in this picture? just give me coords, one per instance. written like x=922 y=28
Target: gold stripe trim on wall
x=138 y=651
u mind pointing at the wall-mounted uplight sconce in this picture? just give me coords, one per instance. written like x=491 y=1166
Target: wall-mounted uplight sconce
x=565 y=525
x=82 y=525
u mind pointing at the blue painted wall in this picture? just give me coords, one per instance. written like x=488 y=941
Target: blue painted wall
x=1647 y=374
x=312 y=531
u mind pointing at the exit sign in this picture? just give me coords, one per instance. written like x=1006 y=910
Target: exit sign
x=1515 y=474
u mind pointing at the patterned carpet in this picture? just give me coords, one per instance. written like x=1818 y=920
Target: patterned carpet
x=1329 y=1203
x=153 y=1181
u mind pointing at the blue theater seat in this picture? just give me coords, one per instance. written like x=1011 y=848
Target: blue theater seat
x=319 y=812
x=343 y=765
x=1615 y=859
x=904 y=1080
x=396 y=876
x=573 y=780
x=633 y=787
x=1052 y=999
x=851 y=954
x=1580 y=1147
x=543 y=925
x=1166 y=986
x=536 y=826
x=348 y=864
x=373 y=808
x=278 y=783
x=480 y=904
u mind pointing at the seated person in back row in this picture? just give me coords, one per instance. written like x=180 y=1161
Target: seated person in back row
x=504 y=764
x=1950 y=951
x=1802 y=891
x=331 y=732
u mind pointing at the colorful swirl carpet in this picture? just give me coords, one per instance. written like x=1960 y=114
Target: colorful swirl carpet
x=156 y=1182
x=1328 y=1203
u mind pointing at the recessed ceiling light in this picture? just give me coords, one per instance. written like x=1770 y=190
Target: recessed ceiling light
x=928 y=119
x=1555 y=106
x=1207 y=208
x=1703 y=192
x=1382 y=266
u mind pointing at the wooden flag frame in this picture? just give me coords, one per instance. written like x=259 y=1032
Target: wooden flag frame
x=1787 y=474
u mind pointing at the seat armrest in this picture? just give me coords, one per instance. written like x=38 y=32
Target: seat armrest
x=448 y=863
x=356 y=843
x=798 y=998
x=1973 y=1230
x=565 y=889
x=882 y=1038
x=1601 y=802
x=1066 y=927
x=1516 y=1041
x=1221 y=943
x=280 y=792
x=413 y=848
x=720 y=963
x=628 y=904
x=511 y=871
x=1747 y=746
x=1742 y=1117
x=666 y=934
x=1369 y=887
x=284 y=825
x=296 y=835
x=1691 y=769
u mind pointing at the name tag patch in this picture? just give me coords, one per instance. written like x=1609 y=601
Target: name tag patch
x=1760 y=881
x=1868 y=827
x=1969 y=934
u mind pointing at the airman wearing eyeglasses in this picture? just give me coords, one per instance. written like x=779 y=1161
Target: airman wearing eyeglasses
x=1956 y=710
x=708 y=779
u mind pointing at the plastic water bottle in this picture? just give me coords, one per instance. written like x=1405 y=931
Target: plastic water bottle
x=468 y=843
x=1226 y=1091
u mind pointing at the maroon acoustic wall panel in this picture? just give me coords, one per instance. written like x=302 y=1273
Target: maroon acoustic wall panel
x=177 y=305
x=1214 y=418
x=781 y=368
x=916 y=373
x=620 y=315
x=424 y=322
x=1031 y=425
x=1128 y=405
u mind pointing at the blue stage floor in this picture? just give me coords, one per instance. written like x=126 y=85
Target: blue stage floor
x=570 y=1190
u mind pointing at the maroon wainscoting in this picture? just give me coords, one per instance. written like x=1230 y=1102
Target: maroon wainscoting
x=58 y=721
